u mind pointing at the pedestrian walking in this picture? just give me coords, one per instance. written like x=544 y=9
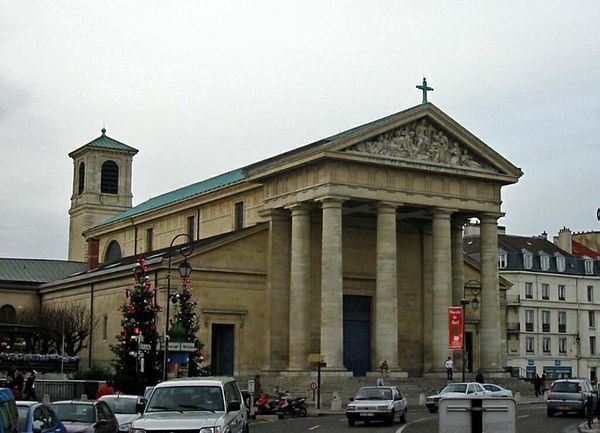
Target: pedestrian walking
x=105 y=389
x=543 y=383
x=449 y=365
x=29 y=389
x=479 y=377
x=537 y=384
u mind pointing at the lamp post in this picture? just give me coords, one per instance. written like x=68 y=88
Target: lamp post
x=185 y=270
x=475 y=287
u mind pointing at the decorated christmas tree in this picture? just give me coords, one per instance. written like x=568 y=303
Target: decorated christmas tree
x=137 y=363
x=185 y=326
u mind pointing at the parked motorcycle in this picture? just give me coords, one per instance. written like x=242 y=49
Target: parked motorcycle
x=296 y=406
x=268 y=405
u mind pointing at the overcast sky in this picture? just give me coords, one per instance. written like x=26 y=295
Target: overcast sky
x=202 y=87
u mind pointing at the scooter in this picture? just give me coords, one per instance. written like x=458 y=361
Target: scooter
x=267 y=405
x=296 y=406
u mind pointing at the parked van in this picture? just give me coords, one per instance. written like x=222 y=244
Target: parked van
x=8 y=412
x=203 y=404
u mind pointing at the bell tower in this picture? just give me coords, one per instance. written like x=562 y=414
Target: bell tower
x=101 y=188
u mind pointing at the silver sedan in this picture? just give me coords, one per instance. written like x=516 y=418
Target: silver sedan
x=496 y=390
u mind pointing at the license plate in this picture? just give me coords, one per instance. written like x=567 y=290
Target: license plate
x=564 y=407
x=366 y=414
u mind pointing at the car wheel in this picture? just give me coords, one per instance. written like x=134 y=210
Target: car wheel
x=550 y=412
x=392 y=418
x=351 y=422
x=432 y=409
x=403 y=416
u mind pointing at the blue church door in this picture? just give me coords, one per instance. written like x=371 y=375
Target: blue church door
x=222 y=350
x=357 y=334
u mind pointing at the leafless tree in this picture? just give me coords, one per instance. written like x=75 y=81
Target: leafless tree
x=72 y=321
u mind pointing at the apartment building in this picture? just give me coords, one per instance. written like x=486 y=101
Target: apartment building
x=553 y=306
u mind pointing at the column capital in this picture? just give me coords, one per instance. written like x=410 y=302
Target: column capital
x=274 y=214
x=331 y=200
x=387 y=206
x=299 y=208
x=440 y=212
x=490 y=217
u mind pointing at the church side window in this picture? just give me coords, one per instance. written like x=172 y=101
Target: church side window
x=191 y=227
x=502 y=260
x=8 y=314
x=239 y=215
x=81 y=178
x=149 y=239
x=113 y=252
x=589 y=267
x=109 y=183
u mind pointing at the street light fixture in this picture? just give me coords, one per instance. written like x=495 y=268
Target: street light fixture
x=475 y=287
x=185 y=270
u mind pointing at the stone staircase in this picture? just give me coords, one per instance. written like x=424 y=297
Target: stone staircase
x=346 y=387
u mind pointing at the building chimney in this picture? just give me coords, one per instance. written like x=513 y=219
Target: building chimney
x=471 y=229
x=564 y=240
x=544 y=235
x=93 y=253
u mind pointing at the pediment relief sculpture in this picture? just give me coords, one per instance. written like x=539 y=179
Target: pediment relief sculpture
x=422 y=141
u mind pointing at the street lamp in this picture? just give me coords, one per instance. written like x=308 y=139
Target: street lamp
x=185 y=270
x=475 y=287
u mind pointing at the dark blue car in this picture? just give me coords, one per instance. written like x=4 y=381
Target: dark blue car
x=36 y=417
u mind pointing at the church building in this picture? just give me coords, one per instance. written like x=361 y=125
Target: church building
x=349 y=247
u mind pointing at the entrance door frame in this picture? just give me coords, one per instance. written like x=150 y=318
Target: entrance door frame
x=215 y=316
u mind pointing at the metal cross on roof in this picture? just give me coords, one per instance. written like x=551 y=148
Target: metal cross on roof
x=424 y=88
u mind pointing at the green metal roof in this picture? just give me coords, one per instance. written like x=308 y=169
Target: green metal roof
x=105 y=142
x=37 y=270
x=180 y=194
x=232 y=176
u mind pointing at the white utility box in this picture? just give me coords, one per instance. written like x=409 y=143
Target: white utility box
x=477 y=414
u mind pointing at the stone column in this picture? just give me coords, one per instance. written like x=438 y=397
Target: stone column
x=332 y=307
x=386 y=299
x=442 y=281
x=300 y=276
x=491 y=357
x=458 y=271
x=277 y=294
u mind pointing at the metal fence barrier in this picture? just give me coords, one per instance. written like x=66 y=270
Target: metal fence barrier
x=66 y=389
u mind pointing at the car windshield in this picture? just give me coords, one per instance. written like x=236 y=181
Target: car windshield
x=121 y=405
x=455 y=387
x=23 y=413
x=565 y=387
x=186 y=398
x=374 y=394
x=73 y=412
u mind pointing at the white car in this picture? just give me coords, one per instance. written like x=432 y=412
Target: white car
x=377 y=403
x=199 y=405
x=497 y=390
x=124 y=407
x=460 y=389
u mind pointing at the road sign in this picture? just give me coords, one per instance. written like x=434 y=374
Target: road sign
x=313 y=385
x=144 y=346
x=251 y=386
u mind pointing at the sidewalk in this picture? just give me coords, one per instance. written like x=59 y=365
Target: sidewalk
x=583 y=427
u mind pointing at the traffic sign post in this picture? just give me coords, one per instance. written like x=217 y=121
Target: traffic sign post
x=313 y=387
x=317 y=359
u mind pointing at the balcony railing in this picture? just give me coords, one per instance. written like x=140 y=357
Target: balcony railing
x=513 y=299
x=529 y=327
x=513 y=326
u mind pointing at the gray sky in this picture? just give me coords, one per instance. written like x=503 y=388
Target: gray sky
x=203 y=87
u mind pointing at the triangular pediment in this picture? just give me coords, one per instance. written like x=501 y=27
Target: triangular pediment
x=423 y=140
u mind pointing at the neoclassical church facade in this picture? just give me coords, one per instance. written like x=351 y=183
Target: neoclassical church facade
x=349 y=247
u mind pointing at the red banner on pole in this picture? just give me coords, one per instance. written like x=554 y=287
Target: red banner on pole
x=455 y=328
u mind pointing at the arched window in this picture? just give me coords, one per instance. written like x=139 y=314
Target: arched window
x=81 y=177
x=8 y=314
x=113 y=252
x=109 y=183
